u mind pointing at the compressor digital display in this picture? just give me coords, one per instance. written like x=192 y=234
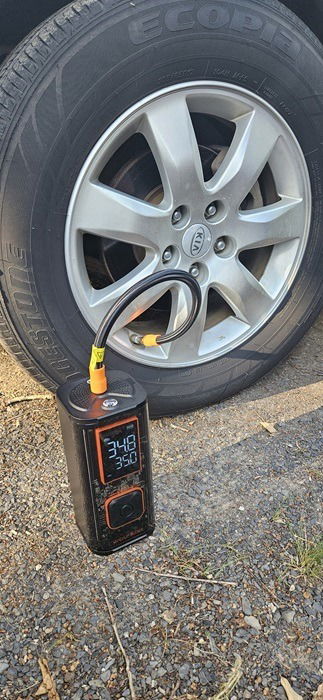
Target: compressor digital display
x=118 y=450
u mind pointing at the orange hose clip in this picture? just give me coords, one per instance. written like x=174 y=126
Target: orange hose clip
x=98 y=380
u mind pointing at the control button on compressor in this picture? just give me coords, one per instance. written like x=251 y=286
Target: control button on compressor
x=125 y=507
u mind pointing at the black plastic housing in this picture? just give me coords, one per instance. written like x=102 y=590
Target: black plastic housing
x=113 y=506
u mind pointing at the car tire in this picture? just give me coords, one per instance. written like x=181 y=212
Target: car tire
x=61 y=90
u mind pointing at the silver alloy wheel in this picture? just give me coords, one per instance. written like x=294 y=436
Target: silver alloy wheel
x=261 y=139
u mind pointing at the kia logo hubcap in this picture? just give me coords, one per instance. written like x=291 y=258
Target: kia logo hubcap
x=196 y=241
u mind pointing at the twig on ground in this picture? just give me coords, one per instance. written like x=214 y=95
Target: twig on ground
x=204 y=652
x=175 y=689
x=269 y=590
x=179 y=427
x=269 y=427
x=188 y=578
x=31 y=397
x=26 y=688
x=231 y=682
x=121 y=647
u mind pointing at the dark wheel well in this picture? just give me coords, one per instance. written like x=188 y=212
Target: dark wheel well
x=20 y=17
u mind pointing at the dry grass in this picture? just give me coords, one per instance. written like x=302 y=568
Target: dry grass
x=232 y=681
x=307 y=560
x=315 y=474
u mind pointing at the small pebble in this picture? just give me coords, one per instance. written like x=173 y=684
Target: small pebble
x=253 y=622
x=184 y=671
x=245 y=604
x=288 y=615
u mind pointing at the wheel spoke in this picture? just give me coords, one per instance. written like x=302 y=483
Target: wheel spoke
x=100 y=300
x=241 y=290
x=112 y=214
x=168 y=128
x=181 y=304
x=181 y=299
x=251 y=147
x=141 y=304
x=269 y=225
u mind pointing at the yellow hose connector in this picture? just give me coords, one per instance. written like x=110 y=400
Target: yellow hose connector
x=149 y=340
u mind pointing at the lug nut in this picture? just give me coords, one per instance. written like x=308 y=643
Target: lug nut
x=177 y=215
x=194 y=271
x=219 y=245
x=167 y=255
x=210 y=211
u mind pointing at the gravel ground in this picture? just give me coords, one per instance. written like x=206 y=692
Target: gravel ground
x=233 y=502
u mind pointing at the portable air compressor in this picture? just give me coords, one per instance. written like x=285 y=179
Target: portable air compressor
x=105 y=428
